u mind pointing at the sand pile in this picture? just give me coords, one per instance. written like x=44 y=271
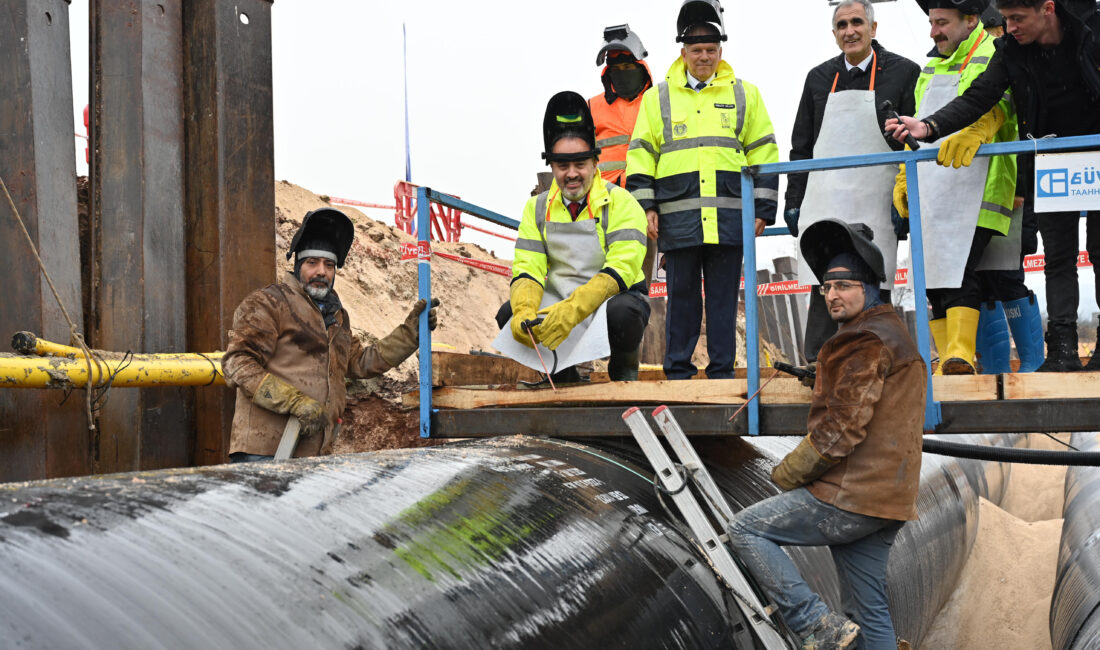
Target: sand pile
x=1003 y=597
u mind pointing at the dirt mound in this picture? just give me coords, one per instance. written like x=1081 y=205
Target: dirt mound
x=378 y=289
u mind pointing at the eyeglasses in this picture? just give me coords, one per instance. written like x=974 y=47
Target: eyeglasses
x=840 y=286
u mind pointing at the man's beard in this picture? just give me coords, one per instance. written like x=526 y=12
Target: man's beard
x=318 y=293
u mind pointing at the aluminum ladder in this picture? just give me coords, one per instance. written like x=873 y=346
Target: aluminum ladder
x=712 y=544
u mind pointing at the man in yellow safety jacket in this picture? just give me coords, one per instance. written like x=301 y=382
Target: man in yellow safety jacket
x=577 y=290
x=694 y=132
x=962 y=209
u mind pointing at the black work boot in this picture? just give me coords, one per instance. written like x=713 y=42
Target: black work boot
x=623 y=366
x=1061 y=350
x=1094 y=362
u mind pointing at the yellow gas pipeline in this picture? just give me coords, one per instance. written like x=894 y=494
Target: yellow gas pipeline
x=62 y=366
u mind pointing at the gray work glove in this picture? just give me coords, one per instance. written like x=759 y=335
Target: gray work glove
x=278 y=396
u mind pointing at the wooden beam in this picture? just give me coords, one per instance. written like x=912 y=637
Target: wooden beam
x=782 y=390
x=40 y=437
x=711 y=391
x=1053 y=385
x=451 y=369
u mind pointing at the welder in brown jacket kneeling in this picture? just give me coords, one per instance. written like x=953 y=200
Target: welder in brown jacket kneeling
x=852 y=481
x=291 y=347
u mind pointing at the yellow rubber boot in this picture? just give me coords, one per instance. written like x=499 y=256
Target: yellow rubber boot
x=939 y=337
x=962 y=334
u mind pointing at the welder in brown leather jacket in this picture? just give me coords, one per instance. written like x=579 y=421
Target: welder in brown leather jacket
x=853 y=479
x=291 y=347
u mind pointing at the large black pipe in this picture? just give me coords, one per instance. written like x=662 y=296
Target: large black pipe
x=1075 y=605
x=506 y=542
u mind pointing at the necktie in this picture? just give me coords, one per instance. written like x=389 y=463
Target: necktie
x=574 y=209
x=702 y=85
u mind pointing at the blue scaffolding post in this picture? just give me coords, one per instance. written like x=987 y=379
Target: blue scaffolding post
x=425 y=196
x=752 y=325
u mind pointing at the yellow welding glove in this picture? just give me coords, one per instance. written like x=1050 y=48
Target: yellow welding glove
x=562 y=317
x=525 y=295
x=901 y=194
x=958 y=150
x=801 y=466
x=278 y=396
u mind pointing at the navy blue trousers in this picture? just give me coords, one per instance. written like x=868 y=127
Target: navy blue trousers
x=687 y=271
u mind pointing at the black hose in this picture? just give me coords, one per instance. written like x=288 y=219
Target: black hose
x=1012 y=455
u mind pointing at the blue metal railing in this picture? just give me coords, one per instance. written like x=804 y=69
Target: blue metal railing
x=425 y=195
x=910 y=159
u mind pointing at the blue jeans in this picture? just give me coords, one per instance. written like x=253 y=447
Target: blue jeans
x=860 y=546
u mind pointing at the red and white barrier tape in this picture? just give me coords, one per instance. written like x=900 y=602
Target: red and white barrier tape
x=410 y=251
x=1032 y=264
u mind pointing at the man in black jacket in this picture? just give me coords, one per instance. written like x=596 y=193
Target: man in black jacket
x=1052 y=65
x=863 y=65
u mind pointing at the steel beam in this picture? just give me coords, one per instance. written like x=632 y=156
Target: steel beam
x=137 y=222
x=39 y=437
x=230 y=174
x=1006 y=416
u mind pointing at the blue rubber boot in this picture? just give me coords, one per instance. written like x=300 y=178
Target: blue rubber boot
x=1026 y=324
x=994 y=345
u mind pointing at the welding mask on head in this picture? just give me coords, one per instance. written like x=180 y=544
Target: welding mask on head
x=568 y=116
x=619 y=37
x=825 y=239
x=325 y=233
x=965 y=7
x=698 y=12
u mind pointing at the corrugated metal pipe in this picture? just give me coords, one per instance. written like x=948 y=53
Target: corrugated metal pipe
x=1075 y=606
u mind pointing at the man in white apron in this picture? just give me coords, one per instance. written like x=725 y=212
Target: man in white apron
x=578 y=290
x=962 y=209
x=839 y=115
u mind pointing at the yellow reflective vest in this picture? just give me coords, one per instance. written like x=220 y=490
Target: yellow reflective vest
x=621 y=229
x=686 y=154
x=968 y=62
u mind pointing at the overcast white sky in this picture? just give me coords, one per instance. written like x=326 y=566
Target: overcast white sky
x=480 y=73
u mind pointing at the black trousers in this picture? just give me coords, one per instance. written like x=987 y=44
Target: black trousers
x=1061 y=241
x=688 y=270
x=969 y=294
x=627 y=317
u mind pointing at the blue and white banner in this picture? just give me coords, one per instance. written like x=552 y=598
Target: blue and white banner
x=1067 y=182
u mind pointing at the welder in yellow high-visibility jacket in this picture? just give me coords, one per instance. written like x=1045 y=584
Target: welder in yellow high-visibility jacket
x=694 y=132
x=577 y=290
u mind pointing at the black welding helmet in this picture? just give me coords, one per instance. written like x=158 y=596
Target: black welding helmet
x=698 y=12
x=325 y=232
x=568 y=116
x=619 y=38
x=991 y=17
x=966 y=7
x=824 y=240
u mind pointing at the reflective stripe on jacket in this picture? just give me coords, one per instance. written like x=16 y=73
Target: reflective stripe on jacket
x=279 y=330
x=614 y=125
x=622 y=232
x=1000 y=182
x=686 y=154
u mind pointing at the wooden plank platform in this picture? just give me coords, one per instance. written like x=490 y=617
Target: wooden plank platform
x=1053 y=385
x=782 y=390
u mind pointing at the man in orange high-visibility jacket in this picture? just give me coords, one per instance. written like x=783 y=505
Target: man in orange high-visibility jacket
x=625 y=78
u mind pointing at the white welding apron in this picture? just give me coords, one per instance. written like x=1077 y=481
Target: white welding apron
x=1003 y=253
x=574 y=256
x=856 y=194
x=950 y=199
